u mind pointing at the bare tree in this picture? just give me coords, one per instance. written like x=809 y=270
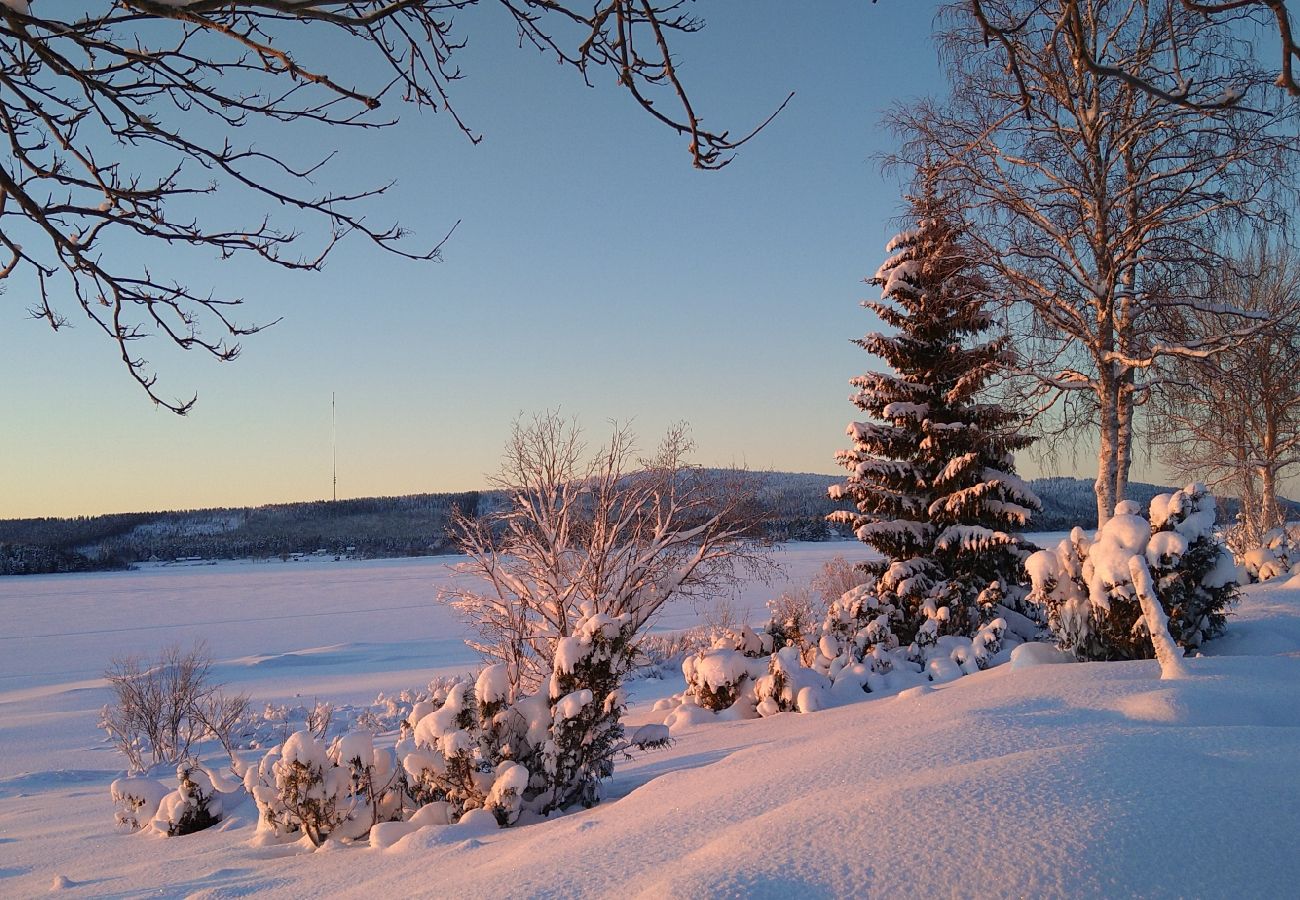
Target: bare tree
x=605 y=533
x=162 y=707
x=121 y=118
x=1178 y=85
x=1233 y=420
x=1088 y=211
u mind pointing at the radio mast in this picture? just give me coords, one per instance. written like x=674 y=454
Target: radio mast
x=334 y=446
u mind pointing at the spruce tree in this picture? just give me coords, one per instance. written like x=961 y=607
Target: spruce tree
x=932 y=477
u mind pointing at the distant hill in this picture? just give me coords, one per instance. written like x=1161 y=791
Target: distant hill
x=415 y=525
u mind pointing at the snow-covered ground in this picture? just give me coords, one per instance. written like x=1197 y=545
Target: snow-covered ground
x=1096 y=779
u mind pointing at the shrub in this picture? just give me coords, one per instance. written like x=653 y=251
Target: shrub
x=1090 y=592
x=788 y=685
x=1275 y=556
x=544 y=752
x=193 y=806
x=857 y=628
x=1194 y=573
x=718 y=677
x=300 y=788
x=161 y=708
x=794 y=620
x=375 y=784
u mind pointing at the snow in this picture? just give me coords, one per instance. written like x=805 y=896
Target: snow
x=358 y=745
x=302 y=747
x=1044 y=777
x=570 y=706
x=493 y=684
x=1124 y=534
x=1165 y=545
x=1038 y=654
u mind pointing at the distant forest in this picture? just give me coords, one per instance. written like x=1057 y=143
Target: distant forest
x=415 y=525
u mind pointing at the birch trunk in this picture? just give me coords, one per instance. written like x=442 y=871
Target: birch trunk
x=1107 y=446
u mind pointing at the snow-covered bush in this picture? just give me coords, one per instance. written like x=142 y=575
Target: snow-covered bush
x=857 y=653
x=543 y=752
x=718 y=677
x=135 y=800
x=300 y=790
x=375 y=782
x=1194 y=573
x=1092 y=591
x=442 y=765
x=789 y=685
x=857 y=628
x=794 y=620
x=193 y=806
x=987 y=642
x=587 y=703
x=1275 y=556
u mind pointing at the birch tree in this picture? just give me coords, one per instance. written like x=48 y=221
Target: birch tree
x=1089 y=198
x=1171 y=86
x=599 y=533
x=1233 y=420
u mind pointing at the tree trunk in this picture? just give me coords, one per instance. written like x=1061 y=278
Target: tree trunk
x=1124 y=444
x=1270 y=516
x=1107 y=447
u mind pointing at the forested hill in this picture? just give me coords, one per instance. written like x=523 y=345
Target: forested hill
x=414 y=525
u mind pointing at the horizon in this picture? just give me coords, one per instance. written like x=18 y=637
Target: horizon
x=485 y=488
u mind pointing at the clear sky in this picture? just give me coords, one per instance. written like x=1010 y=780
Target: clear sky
x=593 y=270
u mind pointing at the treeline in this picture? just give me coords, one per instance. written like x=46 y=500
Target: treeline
x=417 y=525
x=369 y=527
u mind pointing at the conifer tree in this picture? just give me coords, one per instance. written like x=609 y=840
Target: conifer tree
x=932 y=477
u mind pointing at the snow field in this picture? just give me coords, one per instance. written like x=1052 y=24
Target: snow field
x=1077 y=779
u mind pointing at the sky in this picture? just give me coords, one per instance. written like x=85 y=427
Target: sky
x=593 y=270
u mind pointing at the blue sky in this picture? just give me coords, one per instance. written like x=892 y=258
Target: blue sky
x=593 y=270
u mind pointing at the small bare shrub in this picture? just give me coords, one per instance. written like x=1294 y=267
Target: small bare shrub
x=162 y=707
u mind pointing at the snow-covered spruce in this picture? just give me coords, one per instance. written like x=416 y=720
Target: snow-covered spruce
x=932 y=476
x=1195 y=575
x=1092 y=589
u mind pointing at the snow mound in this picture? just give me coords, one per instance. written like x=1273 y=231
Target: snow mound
x=1038 y=654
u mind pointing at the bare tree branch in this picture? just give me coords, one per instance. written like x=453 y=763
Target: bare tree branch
x=118 y=123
